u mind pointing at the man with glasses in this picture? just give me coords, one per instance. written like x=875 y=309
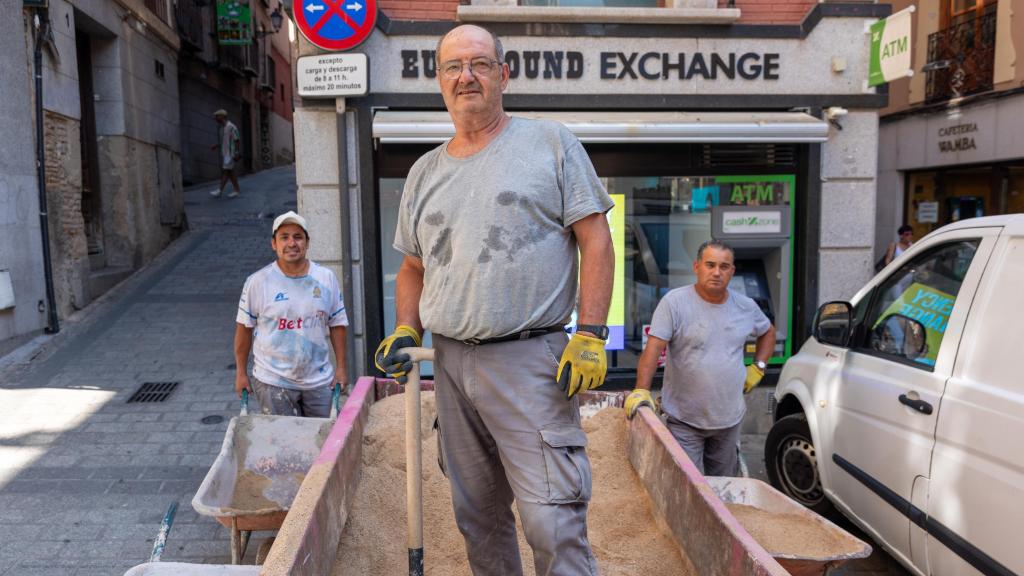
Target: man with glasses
x=705 y=327
x=490 y=223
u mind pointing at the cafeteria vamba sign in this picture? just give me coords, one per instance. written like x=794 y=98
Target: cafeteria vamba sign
x=767 y=222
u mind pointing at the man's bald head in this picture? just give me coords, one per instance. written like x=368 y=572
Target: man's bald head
x=499 y=50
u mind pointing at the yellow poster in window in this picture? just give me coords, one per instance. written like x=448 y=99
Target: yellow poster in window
x=928 y=306
x=617 y=311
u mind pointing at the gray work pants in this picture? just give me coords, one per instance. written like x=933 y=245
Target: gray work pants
x=275 y=400
x=714 y=452
x=508 y=432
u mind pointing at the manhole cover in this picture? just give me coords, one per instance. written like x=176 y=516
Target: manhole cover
x=153 y=392
x=212 y=419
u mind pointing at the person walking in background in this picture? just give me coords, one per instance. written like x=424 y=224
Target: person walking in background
x=230 y=147
x=294 y=309
x=705 y=327
x=906 y=240
x=490 y=223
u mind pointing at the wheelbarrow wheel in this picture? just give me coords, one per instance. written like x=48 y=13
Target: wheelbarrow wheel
x=264 y=550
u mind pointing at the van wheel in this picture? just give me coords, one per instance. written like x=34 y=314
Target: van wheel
x=792 y=464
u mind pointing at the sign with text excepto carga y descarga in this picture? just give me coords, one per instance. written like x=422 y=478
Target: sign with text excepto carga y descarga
x=890 y=48
x=332 y=75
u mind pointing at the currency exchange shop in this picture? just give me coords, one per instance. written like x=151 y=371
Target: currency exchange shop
x=756 y=135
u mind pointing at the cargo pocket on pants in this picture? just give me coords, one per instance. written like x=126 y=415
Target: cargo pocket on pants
x=568 y=469
x=440 y=447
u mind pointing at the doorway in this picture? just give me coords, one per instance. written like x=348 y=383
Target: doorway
x=92 y=212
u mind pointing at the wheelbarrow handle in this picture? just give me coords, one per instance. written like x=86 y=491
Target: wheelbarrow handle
x=245 y=402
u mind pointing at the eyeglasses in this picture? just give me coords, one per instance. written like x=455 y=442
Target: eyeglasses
x=452 y=69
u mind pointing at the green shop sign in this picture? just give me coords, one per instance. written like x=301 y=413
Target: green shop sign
x=234 y=22
x=890 y=48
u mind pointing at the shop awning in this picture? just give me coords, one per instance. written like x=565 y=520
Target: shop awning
x=640 y=127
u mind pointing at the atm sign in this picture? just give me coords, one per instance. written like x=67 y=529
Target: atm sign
x=767 y=222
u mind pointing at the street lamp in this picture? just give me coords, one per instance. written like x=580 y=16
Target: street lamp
x=276 y=20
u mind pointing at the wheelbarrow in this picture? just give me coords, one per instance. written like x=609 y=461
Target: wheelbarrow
x=259 y=469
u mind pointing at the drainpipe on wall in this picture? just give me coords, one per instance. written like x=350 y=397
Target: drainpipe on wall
x=41 y=22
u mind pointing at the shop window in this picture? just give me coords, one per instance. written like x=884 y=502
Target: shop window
x=658 y=224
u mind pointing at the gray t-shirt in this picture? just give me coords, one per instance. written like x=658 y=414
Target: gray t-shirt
x=493 y=230
x=704 y=371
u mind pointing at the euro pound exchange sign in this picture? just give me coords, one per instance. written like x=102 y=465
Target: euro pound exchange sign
x=335 y=24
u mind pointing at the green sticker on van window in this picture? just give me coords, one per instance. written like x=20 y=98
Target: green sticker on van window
x=928 y=306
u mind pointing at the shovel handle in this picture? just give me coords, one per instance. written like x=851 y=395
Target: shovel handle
x=414 y=459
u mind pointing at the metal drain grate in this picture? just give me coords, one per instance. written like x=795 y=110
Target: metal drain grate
x=153 y=392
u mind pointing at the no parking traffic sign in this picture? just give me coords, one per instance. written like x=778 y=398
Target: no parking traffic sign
x=335 y=24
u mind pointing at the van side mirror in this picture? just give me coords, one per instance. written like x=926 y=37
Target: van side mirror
x=900 y=336
x=832 y=324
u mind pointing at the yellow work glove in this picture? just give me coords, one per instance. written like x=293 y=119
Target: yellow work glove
x=636 y=399
x=754 y=375
x=583 y=365
x=387 y=357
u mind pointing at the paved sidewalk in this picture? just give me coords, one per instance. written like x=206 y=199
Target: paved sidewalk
x=86 y=478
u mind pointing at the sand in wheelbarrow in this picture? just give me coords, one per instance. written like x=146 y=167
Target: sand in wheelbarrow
x=622 y=531
x=791 y=534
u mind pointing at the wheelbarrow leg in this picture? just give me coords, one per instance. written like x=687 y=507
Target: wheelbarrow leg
x=235 y=559
x=239 y=542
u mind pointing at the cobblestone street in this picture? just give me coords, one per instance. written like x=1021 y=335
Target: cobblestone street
x=85 y=477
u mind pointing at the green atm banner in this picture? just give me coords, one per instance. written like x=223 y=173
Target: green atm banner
x=234 y=22
x=890 y=48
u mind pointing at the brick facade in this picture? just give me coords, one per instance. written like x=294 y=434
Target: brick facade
x=419 y=9
x=772 y=11
x=69 y=251
x=753 y=11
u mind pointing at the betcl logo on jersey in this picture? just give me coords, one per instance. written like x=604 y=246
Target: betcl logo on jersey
x=317 y=320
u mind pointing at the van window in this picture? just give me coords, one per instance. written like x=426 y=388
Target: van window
x=910 y=309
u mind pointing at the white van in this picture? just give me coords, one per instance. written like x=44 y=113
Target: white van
x=905 y=410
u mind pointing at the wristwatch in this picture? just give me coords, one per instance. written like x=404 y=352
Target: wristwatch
x=760 y=365
x=599 y=330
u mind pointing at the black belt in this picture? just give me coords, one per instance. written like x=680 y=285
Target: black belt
x=524 y=335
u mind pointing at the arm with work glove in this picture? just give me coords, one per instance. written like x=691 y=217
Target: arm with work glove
x=583 y=364
x=388 y=358
x=645 y=369
x=755 y=371
x=754 y=376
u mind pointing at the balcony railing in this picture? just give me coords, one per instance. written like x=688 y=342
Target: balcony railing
x=190 y=16
x=243 y=60
x=158 y=7
x=963 y=57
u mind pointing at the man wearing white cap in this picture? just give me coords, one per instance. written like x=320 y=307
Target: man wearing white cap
x=229 y=143
x=294 y=310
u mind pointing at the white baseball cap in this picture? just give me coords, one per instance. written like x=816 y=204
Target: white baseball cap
x=289 y=217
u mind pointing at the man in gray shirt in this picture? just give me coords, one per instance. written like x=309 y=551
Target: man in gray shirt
x=705 y=326
x=490 y=224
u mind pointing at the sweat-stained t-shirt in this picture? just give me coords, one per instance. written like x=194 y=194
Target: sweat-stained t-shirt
x=292 y=319
x=704 y=369
x=493 y=230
